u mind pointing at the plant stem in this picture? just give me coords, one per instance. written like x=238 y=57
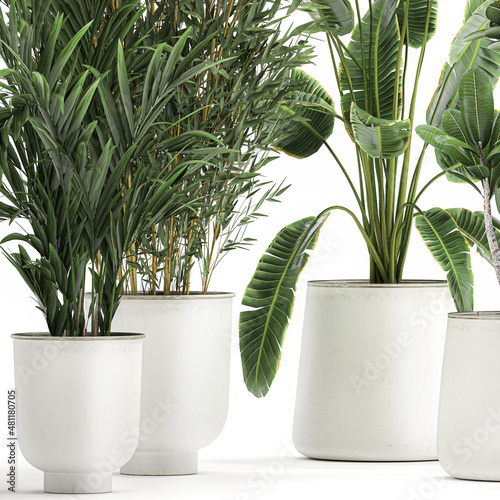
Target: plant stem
x=334 y=63
x=363 y=59
x=488 y=219
x=406 y=161
x=374 y=254
x=395 y=102
x=402 y=196
x=346 y=68
x=490 y=230
x=344 y=171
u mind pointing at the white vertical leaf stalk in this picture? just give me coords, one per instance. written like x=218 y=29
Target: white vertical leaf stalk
x=490 y=230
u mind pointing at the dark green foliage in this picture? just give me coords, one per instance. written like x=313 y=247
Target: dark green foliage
x=468 y=148
x=69 y=139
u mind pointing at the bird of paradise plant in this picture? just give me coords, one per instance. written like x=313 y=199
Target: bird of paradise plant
x=378 y=106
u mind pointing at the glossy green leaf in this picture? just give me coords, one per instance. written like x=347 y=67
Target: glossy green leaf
x=307 y=118
x=472 y=227
x=451 y=250
x=417 y=20
x=372 y=82
x=487 y=33
x=336 y=16
x=377 y=137
x=446 y=140
x=464 y=54
x=494 y=152
x=478 y=171
x=446 y=144
x=454 y=125
x=270 y=297
x=477 y=105
x=493 y=12
x=472 y=6
x=455 y=171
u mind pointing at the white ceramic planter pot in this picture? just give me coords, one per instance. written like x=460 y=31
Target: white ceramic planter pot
x=469 y=407
x=370 y=370
x=185 y=387
x=78 y=407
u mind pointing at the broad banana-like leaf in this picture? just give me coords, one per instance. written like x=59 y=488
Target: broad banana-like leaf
x=270 y=296
x=449 y=247
x=464 y=54
x=476 y=105
x=417 y=20
x=309 y=118
x=379 y=138
x=373 y=81
x=487 y=33
x=336 y=15
x=472 y=6
x=472 y=227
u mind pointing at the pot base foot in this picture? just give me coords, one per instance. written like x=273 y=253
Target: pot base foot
x=69 y=483
x=150 y=463
x=374 y=454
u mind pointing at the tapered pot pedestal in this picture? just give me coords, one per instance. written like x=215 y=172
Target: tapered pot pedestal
x=185 y=389
x=370 y=370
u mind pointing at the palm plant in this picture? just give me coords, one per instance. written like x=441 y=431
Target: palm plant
x=470 y=140
x=377 y=109
x=63 y=166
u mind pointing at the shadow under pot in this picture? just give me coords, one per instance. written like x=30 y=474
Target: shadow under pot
x=185 y=378
x=469 y=407
x=370 y=370
x=78 y=407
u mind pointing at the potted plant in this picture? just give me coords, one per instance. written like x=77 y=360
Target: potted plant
x=187 y=326
x=469 y=139
x=62 y=177
x=371 y=351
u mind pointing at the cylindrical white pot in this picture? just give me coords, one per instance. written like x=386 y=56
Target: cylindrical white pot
x=370 y=370
x=78 y=409
x=469 y=407
x=185 y=378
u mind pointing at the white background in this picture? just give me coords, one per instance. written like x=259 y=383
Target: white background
x=254 y=456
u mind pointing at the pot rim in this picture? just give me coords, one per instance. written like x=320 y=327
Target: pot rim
x=475 y=315
x=366 y=284
x=176 y=296
x=44 y=336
